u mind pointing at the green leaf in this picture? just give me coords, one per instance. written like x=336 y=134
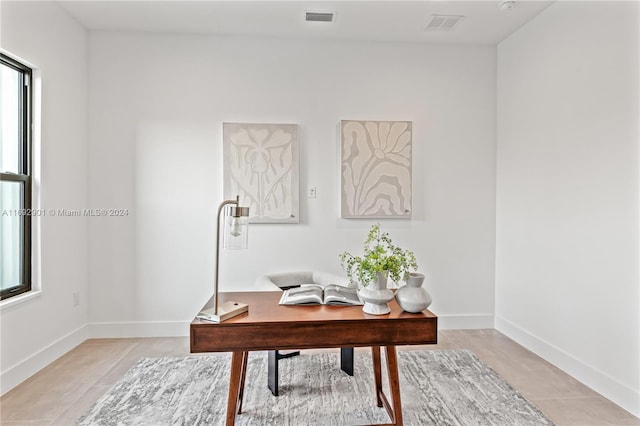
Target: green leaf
x=379 y=255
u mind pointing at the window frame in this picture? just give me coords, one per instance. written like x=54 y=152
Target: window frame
x=25 y=172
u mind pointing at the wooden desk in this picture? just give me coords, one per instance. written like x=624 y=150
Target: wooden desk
x=269 y=326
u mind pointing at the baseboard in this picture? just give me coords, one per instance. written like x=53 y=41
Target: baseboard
x=104 y=330
x=610 y=388
x=25 y=369
x=465 y=322
x=18 y=373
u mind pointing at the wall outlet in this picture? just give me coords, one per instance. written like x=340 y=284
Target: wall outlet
x=311 y=192
x=76 y=299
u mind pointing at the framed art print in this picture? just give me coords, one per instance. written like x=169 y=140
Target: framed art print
x=375 y=169
x=261 y=165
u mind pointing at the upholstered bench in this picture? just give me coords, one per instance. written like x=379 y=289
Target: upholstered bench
x=286 y=280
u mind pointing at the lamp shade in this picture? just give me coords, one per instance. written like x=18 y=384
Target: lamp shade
x=236 y=229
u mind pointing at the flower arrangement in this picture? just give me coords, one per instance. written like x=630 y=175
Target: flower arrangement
x=380 y=255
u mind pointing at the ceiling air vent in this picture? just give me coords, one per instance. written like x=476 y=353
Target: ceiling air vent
x=444 y=23
x=319 y=16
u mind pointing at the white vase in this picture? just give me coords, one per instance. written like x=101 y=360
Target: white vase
x=412 y=297
x=376 y=296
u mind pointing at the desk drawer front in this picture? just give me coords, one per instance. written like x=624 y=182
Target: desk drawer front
x=304 y=335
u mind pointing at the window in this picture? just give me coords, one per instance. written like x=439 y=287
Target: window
x=15 y=177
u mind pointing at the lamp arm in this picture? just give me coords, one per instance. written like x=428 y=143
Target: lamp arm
x=222 y=206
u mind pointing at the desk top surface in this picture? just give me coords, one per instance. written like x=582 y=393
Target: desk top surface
x=264 y=308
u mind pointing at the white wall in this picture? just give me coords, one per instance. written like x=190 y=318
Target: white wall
x=567 y=193
x=567 y=208
x=157 y=107
x=36 y=331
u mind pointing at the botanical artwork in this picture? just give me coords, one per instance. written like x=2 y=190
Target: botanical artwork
x=261 y=166
x=376 y=169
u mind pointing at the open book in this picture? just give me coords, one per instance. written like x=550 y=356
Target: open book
x=313 y=294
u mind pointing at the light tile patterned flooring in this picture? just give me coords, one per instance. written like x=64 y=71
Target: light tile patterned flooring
x=62 y=392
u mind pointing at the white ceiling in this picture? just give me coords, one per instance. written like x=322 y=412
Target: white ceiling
x=399 y=21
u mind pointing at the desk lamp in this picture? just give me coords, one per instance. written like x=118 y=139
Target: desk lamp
x=235 y=231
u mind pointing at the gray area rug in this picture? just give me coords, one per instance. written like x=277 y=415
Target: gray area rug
x=438 y=387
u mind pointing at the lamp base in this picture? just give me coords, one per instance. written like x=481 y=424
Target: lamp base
x=225 y=311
